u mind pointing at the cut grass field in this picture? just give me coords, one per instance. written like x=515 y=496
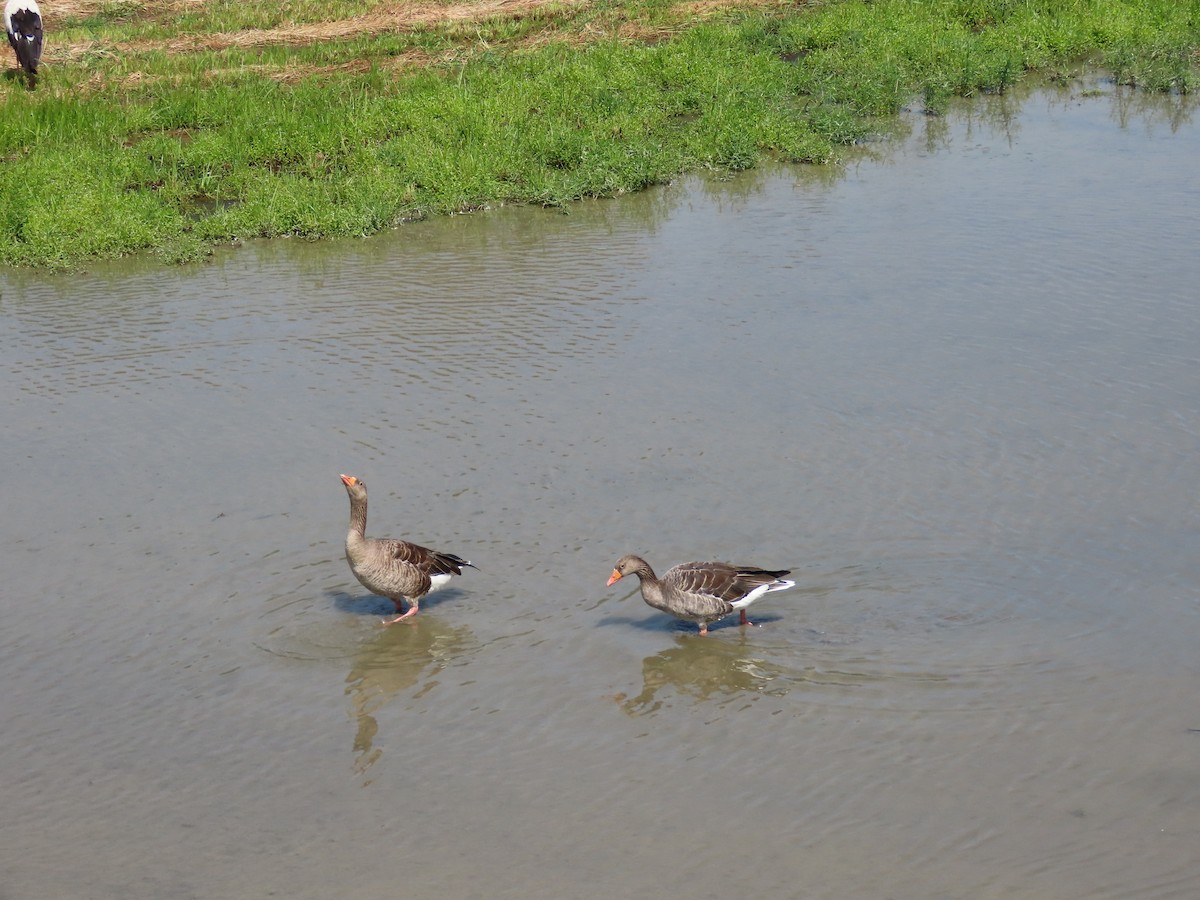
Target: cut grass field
x=176 y=125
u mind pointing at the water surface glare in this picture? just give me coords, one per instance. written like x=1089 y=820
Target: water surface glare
x=954 y=384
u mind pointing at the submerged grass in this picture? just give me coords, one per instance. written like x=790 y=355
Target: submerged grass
x=177 y=125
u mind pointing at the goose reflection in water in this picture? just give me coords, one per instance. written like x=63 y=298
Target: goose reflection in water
x=714 y=670
x=394 y=661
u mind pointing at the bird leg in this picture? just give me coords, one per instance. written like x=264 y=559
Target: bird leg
x=744 y=620
x=412 y=611
x=703 y=628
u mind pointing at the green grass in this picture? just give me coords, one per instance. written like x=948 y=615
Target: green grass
x=126 y=146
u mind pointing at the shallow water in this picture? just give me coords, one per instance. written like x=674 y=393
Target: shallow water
x=954 y=384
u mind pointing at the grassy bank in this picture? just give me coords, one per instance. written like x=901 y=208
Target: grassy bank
x=180 y=124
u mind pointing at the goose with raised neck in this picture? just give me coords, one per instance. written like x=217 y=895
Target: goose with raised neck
x=399 y=570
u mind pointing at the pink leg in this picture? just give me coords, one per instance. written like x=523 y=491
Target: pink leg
x=412 y=611
x=703 y=628
x=744 y=620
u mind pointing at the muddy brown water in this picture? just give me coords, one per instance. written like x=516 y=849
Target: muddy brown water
x=954 y=384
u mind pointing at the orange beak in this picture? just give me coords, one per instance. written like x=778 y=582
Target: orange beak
x=616 y=576
x=348 y=480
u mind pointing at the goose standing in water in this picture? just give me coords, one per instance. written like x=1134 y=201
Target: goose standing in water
x=702 y=592
x=398 y=570
x=23 y=22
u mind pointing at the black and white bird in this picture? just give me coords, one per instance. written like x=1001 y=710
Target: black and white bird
x=23 y=22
